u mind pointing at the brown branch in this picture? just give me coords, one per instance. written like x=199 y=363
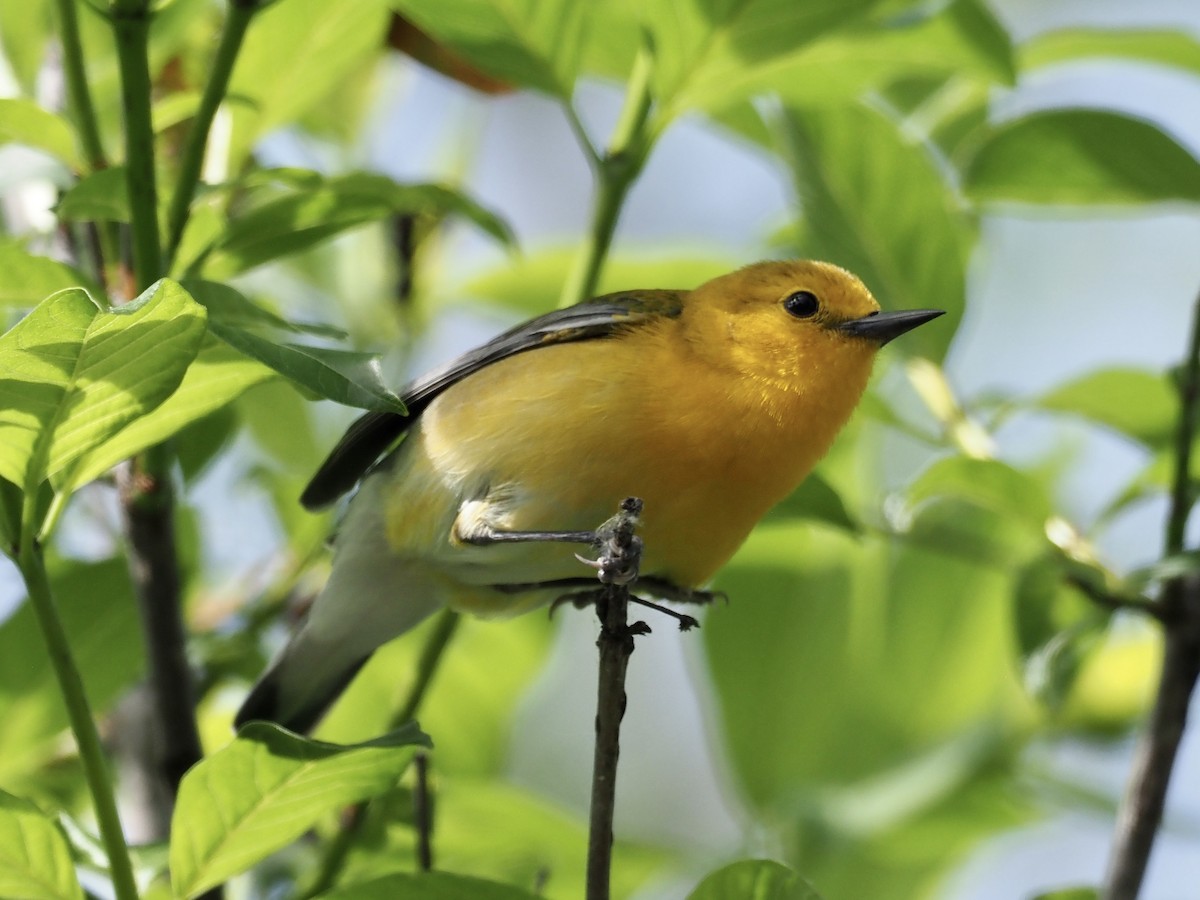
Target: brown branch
x=1141 y=809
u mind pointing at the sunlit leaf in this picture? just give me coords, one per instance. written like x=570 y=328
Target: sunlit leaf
x=24 y=122
x=1168 y=48
x=754 y=879
x=74 y=375
x=1070 y=157
x=216 y=376
x=35 y=861
x=267 y=788
x=26 y=278
x=1139 y=404
x=876 y=202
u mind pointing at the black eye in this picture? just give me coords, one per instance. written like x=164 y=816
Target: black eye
x=802 y=304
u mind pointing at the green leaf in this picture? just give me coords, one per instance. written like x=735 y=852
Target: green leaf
x=349 y=377
x=25 y=29
x=217 y=376
x=72 y=375
x=96 y=604
x=1139 y=404
x=267 y=788
x=962 y=39
x=24 y=122
x=308 y=216
x=1168 y=48
x=754 y=879
x=532 y=284
x=100 y=197
x=294 y=55
x=26 y=278
x=430 y=886
x=530 y=43
x=1071 y=157
x=708 y=54
x=987 y=483
x=816 y=499
x=35 y=861
x=877 y=203
x=1071 y=893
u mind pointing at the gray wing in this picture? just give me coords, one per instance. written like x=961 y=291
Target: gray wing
x=372 y=434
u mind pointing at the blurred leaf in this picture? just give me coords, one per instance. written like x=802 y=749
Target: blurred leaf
x=878 y=204
x=960 y=527
x=531 y=43
x=707 y=55
x=1081 y=157
x=470 y=705
x=35 y=861
x=1045 y=605
x=24 y=122
x=815 y=499
x=306 y=217
x=25 y=29
x=293 y=56
x=754 y=879
x=1170 y=567
x=1139 y=404
x=95 y=602
x=1073 y=893
x=11 y=501
x=199 y=443
x=1115 y=685
x=267 y=788
x=406 y=37
x=349 y=377
x=99 y=197
x=25 y=278
x=1169 y=48
x=430 y=886
x=489 y=829
x=531 y=284
x=216 y=376
x=75 y=375
x=987 y=483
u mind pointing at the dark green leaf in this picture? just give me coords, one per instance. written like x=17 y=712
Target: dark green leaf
x=24 y=122
x=1139 y=404
x=1073 y=893
x=430 y=886
x=877 y=203
x=99 y=197
x=228 y=306
x=1168 y=48
x=754 y=879
x=304 y=218
x=816 y=499
x=73 y=375
x=25 y=278
x=1073 y=157
x=267 y=788
x=35 y=861
x=349 y=377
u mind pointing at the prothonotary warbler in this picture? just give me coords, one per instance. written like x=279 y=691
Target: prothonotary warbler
x=711 y=405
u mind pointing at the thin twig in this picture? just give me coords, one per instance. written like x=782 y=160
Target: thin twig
x=616 y=646
x=423 y=813
x=237 y=21
x=1141 y=810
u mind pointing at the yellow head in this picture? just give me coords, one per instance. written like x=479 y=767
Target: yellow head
x=794 y=326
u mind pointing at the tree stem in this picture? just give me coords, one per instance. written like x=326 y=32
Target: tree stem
x=237 y=21
x=91 y=754
x=1142 y=808
x=131 y=29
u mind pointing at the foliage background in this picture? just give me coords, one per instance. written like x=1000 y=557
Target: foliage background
x=901 y=701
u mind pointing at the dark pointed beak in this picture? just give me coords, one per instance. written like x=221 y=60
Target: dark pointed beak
x=882 y=327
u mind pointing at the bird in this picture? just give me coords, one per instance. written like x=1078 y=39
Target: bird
x=711 y=405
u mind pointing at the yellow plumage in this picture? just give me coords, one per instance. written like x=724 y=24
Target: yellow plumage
x=711 y=405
